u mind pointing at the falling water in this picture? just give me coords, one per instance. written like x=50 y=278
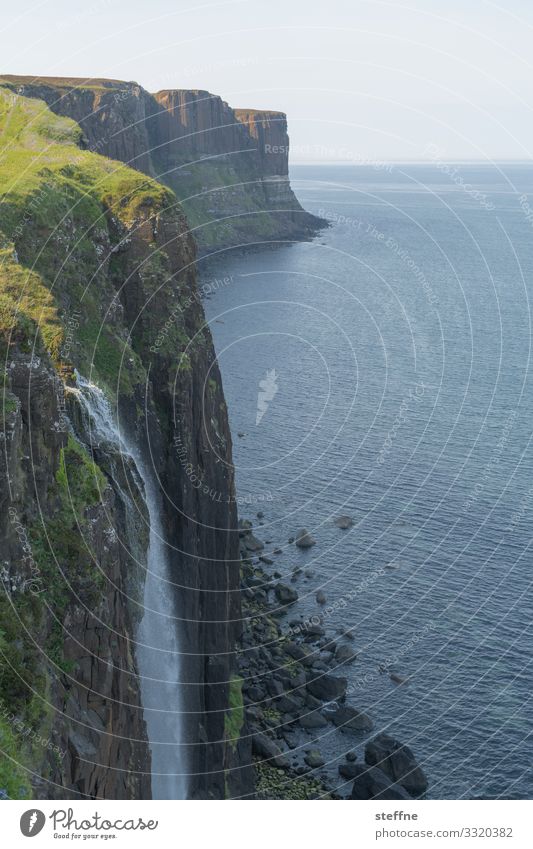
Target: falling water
x=158 y=655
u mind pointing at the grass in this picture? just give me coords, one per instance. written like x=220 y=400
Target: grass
x=234 y=718
x=14 y=782
x=62 y=210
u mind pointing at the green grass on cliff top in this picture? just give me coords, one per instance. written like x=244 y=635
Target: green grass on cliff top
x=54 y=199
x=39 y=148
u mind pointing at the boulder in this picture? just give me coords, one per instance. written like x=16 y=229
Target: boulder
x=321 y=597
x=349 y=717
x=265 y=748
x=343 y=522
x=304 y=539
x=351 y=756
x=329 y=688
x=314 y=759
x=313 y=720
x=398 y=762
x=372 y=783
x=251 y=543
x=345 y=654
x=349 y=771
x=285 y=594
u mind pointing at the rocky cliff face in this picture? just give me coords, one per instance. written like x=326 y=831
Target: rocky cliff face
x=98 y=275
x=229 y=168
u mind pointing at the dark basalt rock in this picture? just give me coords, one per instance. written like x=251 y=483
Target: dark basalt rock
x=348 y=717
x=372 y=783
x=314 y=759
x=265 y=748
x=398 y=762
x=348 y=771
x=285 y=594
x=304 y=539
x=327 y=687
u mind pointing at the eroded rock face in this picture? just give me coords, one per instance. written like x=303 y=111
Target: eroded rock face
x=81 y=645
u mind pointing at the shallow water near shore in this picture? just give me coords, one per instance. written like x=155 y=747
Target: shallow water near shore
x=383 y=371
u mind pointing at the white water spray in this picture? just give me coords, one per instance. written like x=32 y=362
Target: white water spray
x=158 y=656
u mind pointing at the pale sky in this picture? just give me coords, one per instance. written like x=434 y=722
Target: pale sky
x=359 y=79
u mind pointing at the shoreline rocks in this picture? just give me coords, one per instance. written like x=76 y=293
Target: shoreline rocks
x=290 y=695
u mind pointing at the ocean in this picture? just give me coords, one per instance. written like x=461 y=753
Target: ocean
x=382 y=371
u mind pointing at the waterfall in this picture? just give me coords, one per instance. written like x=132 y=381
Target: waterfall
x=157 y=652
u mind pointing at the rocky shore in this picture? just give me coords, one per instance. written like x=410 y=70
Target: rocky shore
x=295 y=691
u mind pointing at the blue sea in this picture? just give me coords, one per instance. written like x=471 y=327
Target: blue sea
x=382 y=371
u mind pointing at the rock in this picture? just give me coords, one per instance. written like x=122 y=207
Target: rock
x=327 y=687
x=304 y=539
x=244 y=526
x=287 y=704
x=255 y=693
x=265 y=748
x=260 y=514
x=321 y=597
x=274 y=687
x=277 y=551
x=397 y=679
x=398 y=762
x=296 y=651
x=285 y=594
x=291 y=540
x=266 y=560
x=314 y=704
x=343 y=522
x=345 y=654
x=313 y=720
x=372 y=783
x=349 y=717
x=251 y=543
x=349 y=771
x=240 y=434
x=351 y=756
x=314 y=759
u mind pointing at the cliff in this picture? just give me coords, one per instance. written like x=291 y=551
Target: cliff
x=228 y=168
x=97 y=277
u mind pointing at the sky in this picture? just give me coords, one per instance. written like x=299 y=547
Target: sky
x=360 y=80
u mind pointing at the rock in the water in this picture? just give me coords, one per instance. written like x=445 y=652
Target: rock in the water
x=260 y=514
x=398 y=762
x=304 y=539
x=372 y=783
x=327 y=687
x=264 y=559
x=351 y=756
x=285 y=594
x=314 y=759
x=398 y=679
x=345 y=654
x=349 y=717
x=267 y=749
x=349 y=770
x=343 y=522
x=321 y=597
x=251 y=543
